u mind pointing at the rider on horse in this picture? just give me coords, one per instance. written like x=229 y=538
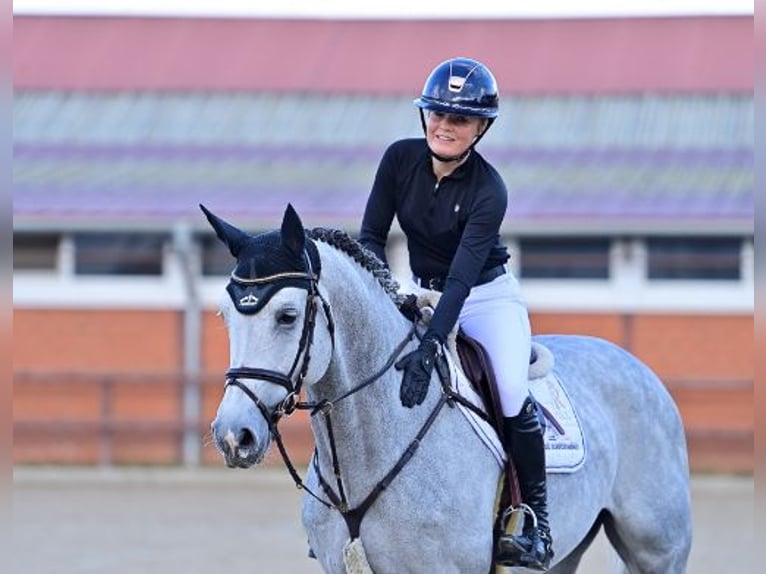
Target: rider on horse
x=450 y=203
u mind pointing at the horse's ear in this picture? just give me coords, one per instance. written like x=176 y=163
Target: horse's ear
x=293 y=234
x=234 y=238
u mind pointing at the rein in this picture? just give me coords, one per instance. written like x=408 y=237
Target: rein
x=353 y=517
x=325 y=407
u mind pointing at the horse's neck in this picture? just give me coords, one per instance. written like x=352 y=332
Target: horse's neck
x=368 y=325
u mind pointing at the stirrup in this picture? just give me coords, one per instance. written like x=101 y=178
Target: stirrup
x=518 y=555
x=512 y=510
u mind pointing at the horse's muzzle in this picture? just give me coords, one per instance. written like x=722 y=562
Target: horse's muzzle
x=239 y=449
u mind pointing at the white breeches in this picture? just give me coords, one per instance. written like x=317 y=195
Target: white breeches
x=495 y=314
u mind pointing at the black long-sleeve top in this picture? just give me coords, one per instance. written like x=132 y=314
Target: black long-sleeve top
x=452 y=226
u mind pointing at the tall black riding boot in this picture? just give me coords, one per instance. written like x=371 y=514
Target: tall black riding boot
x=523 y=436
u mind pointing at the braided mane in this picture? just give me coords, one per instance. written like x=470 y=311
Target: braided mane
x=364 y=257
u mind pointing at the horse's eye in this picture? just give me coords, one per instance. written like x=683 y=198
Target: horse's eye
x=286 y=317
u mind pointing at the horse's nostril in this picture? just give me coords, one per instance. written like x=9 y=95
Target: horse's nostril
x=246 y=438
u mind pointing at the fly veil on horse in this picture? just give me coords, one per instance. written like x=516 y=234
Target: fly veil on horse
x=392 y=489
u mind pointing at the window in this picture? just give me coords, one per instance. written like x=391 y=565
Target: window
x=564 y=258
x=712 y=258
x=119 y=253
x=35 y=251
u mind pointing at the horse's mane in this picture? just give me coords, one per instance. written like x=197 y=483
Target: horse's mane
x=363 y=256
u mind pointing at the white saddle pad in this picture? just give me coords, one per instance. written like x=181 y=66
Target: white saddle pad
x=564 y=446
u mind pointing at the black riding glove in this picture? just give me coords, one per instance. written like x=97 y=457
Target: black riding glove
x=417 y=366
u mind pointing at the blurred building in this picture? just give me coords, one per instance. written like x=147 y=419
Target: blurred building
x=627 y=145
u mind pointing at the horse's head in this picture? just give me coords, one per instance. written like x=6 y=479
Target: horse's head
x=272 y=310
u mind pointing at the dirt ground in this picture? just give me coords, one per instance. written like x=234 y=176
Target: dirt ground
x=177 y=521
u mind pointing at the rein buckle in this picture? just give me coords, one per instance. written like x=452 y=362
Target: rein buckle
x=288 y=405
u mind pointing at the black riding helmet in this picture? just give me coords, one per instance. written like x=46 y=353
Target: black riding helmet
x=463 y=87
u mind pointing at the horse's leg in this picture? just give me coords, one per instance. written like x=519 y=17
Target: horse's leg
x=646 y=545
x=648 y=520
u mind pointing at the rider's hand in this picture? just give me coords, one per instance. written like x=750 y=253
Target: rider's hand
x=409 y=308
x=417 y=366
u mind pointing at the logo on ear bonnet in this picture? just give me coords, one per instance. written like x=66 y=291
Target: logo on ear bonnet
x=249 y=300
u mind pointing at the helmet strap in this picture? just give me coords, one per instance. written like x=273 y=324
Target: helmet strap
x=423 y=121
x=454 y=158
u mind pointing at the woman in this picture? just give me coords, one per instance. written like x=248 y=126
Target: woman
x=450 y=203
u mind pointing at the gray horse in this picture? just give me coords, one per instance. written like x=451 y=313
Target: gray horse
x=397 y=490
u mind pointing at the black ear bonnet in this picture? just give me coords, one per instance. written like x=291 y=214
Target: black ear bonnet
x=268 y=262
x=265 y=267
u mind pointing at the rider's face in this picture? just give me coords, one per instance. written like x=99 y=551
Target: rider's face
x=450 y=135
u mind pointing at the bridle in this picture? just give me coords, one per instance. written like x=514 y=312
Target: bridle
x=285 y=380
x=292 y=382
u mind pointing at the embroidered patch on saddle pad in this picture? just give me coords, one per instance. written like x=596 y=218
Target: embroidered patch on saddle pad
x=564 y=443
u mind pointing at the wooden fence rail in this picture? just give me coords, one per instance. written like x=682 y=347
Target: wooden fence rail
x=113 y=419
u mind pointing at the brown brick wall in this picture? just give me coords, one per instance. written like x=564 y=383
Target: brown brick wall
x=126 y=364
x=699 y=347
x=215 y=344
x=89 y=361
x=696 y=347
x=77 y=340
x=608 y=326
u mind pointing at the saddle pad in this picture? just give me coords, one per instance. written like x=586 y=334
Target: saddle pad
x=564 y=452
